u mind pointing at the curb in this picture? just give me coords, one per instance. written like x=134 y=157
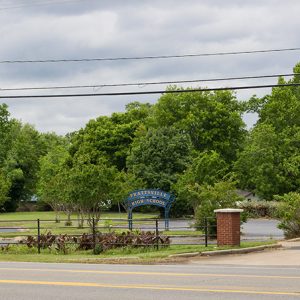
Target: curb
x=293 y=240
x=240 y=251
x=226 y=252
x=191 y=254
x=104 y=260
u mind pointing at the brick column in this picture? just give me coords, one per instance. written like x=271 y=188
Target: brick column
x=228 y=226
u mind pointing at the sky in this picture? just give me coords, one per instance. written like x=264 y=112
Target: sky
x=74 y=29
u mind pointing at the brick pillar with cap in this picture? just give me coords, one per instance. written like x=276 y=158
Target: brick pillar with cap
x=228 y=226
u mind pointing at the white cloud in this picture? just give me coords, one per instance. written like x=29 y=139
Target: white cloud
x=136 y=28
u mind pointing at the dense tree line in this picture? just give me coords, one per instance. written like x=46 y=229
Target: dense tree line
x=192 y=144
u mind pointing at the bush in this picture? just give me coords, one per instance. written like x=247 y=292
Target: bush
x=210 y=197
x=60 y=243
x=100 y=242
x=119 y=240
x=259 y=208
x=289 y=212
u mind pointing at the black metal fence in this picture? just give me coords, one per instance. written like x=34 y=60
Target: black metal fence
x=181 y=231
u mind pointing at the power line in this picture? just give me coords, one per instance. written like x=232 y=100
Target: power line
x=151 y=92
x=146 y=57
x=146 y=83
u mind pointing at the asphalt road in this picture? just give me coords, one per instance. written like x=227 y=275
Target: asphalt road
x=193 y=281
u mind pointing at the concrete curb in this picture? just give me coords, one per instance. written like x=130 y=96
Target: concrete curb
x=226 y=252
x=292 y=240
x=191 y=254
x=240 y=251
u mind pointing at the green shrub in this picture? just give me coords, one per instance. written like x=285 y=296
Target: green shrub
x=210 y=197
x=289 y=212
x=259 y=208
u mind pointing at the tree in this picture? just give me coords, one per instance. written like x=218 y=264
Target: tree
x=206 y=169
x=289 y=212
x=210 y=197
x=270 y=161
x=123 y=185
x=5 y=127
x=51 y=140
x=159 y=156
x=110 y=137
x=4 y=188
x=91 y=186
x=282 y=108
x=49 y=187
x=22 y=163
x=258 y=166
x=211 y=119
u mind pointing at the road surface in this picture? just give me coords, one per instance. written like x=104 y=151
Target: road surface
x=30 y=281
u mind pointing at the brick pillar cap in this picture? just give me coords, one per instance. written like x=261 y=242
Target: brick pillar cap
x=228 y=210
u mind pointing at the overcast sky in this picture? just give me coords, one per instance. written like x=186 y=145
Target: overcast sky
x=64 y=29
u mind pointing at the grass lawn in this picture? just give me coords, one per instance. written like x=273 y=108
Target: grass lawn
x=149 y=255
x=26 y=222
x=50 y=215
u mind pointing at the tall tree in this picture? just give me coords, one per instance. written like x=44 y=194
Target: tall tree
x=4 y=188
x=270 y=162
x=206 y=169
x=49 y=187
x=110 y=137
x=159 y=156
x=212 y=119
x=91 y=186
x=22 y=163
x=5 y=127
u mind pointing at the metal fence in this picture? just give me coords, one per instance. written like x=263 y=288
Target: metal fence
x=181 y=231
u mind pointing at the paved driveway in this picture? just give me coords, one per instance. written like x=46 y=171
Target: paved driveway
x=261 y=229
x=287 y=256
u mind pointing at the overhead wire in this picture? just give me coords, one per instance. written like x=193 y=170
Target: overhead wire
x=146 y=57
x=146 y=83
x=151 y=92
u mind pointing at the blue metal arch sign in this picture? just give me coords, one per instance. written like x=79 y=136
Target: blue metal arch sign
x=149 y=197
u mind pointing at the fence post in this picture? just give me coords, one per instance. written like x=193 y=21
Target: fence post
x=94 y=236
x=206 y=232
x=39 y=235
x=156 y=234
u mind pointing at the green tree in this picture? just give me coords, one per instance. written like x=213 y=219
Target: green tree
x=49 y=186
x=210 y=197
x=22 y=163
x=51 y=140
x=258 y=167
x=4 y=188
x=212 y=119
x=159 y=156
x=289 y=212
x=270 y=162
x=206 y=169
x=5 y=127
x=92 y=186
x=123 y=184
x=110 y=137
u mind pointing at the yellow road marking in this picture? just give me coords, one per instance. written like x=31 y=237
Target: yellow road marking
x=147 y=287
x=169 y=274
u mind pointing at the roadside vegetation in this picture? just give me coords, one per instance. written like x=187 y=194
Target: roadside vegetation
x=124 y=255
